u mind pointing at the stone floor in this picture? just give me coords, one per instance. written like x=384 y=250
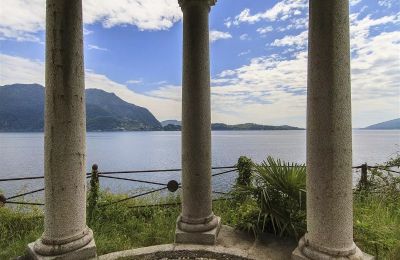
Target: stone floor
x=231 y=245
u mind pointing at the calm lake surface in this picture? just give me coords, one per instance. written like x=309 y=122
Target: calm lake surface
x=21 y=154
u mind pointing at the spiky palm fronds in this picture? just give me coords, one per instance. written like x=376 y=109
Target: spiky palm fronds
x=279 y=189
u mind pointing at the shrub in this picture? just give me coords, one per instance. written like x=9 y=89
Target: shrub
x=244 y=166
x=377 y=212
x=278 y=189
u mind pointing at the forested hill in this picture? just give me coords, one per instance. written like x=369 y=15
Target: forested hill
x=387 y=125
x=22 y=110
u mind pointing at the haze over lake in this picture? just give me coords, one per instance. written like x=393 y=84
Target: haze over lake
x=21 y=154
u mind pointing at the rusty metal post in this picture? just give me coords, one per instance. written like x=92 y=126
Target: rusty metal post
x=364 y=176
x=2 y=200
x=93 y=193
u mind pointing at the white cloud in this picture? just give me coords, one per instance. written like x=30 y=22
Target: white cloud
x=228 y=22
x=244 y=37
x=169 y=92
x=280 y=11
x=23 y=19
x=299 y=40
x=144 y=14
x=134 y=81
x=218 y=35
x=87 y=31
x=95 y=47
x=268 y=90
x=272 y=89
x=354 y=2
x=360 y=28
x=244 y=53
x=264 y=30
x=161 y=82
x=21 y=70
x=386 y=3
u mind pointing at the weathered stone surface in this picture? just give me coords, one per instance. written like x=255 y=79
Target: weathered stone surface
x=208 y=237
x=329 y=136
x=197 y=217
x=65 y=230
x=231 y=245
x=298 y=255
x=83 y=253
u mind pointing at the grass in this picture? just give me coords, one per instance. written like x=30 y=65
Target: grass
x=18 y=227
x=115 y=228
x=120 y=227
x=376 y=225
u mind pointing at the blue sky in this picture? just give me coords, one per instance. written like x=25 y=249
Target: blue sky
x=258 y=56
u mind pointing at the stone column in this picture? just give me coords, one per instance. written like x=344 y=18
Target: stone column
x=197 y=223
x=66 y=235
x=329 y=136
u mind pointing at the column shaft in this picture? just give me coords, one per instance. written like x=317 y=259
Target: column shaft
x=197 y=215
x=329 y=134
x=196 y=115
x=65 y=131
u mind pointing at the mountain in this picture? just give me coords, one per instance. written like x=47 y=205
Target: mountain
x=22 y=109
x=251 y=126
x=171 y=122
x=107 y=112
x=174 y=125
x=387 y=125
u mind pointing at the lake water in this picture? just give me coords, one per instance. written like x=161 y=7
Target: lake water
x=21 y=154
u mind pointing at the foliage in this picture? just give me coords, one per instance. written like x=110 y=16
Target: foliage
x=120 y=226
x=244 y=166
x=93 y=195
x=278 y=189
x=22 y=110
x=275 y=202
x=376 y=226
x=116 y=227
x=18 y=227
x=377 y=212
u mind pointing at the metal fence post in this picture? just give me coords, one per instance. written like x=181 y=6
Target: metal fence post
x=364 y=175
x=2 y=200
x=93 y=193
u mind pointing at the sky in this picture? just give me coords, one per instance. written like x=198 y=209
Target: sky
x=258 y=56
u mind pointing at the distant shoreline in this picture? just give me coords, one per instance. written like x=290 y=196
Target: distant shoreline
x=226 y=130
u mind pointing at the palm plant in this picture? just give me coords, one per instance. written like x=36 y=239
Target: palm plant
x=279 y=190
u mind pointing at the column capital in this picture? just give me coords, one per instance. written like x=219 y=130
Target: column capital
x=183 y=3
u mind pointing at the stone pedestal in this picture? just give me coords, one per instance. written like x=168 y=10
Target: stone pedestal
x=66 y=235
x=329 y=136
x=86 y=252
x=208 y=237
x=197 y=223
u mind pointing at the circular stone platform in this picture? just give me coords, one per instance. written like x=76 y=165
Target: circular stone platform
x=231 y=245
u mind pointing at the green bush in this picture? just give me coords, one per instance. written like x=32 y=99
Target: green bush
x=274 y=202
x=18 y=227
x=93 y=194
x=377 y=213
x=244 y=166
x=278 y=190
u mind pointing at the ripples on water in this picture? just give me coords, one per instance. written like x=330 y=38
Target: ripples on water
x=21 y=154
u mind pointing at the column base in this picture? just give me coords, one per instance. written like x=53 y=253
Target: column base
x=86 y=252
x=305 y=252
x=81 y=248
x=208 y=237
